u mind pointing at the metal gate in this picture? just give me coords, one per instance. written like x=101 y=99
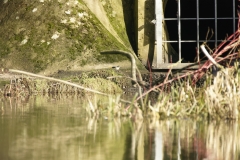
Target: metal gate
x=196 y=13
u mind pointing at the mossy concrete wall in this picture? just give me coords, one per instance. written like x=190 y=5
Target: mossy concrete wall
x=51 y=35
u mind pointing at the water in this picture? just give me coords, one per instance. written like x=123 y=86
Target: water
x=58 y=128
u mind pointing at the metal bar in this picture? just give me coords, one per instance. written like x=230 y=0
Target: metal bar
x=197 y=27
x=179 y=29
x=234 y=17
x=178 y=66
x=215 y=16
x=182 y=41
x=158 y=30
x=170 y=19
x=190 y=41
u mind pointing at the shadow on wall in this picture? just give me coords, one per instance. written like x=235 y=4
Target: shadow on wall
x=149 y=30
x=130 y=11
x=130 y=21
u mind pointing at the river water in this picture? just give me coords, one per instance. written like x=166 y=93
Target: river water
x=59 y=128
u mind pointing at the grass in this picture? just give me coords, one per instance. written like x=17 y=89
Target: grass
x=222 y=97
x=217 y=97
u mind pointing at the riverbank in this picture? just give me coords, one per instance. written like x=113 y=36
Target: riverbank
x=217 y=97
x=103 y=80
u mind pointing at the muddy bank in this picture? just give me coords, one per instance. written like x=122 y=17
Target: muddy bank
x=110 y=81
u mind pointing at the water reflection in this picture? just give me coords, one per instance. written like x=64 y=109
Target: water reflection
x=188 y=140
x=43 y=127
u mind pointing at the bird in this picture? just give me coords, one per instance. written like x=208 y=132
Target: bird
x=116 y=67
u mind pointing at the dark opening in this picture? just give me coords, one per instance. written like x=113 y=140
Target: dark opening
x=225 y=24
x=130 y=20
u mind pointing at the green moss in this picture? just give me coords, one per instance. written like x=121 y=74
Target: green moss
x=4 y=50
x=51 y=26
x=60 y=5
x=72 y=54
x=97 y=34
x=19 y=37
x=74 y=11
x=3 y=83
x=39 y=65
x=83 y=62
x=29 y=8
x=102 y=85
x=93 y=35
x=121 y=30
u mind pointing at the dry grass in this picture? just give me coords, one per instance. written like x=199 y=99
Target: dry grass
x=217 y=98
x=223 y=96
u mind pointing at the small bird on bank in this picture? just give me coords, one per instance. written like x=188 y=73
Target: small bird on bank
x=116 y=67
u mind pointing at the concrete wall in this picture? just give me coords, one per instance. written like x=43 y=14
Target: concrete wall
x=146 y=34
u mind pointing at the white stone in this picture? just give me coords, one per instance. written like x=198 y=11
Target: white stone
x=55 y=35
x=80 y=15
x=75 y=2
x=72 y=20
x=79 y=23
x=24 y=41
x=68 y=12
x=34 y=10
x=64 y=21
